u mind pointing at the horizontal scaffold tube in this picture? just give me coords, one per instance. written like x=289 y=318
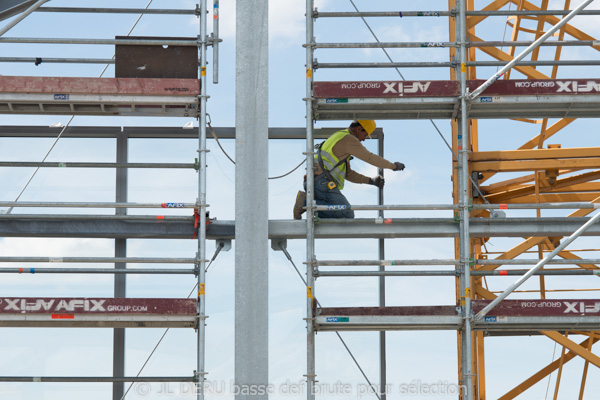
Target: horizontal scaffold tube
x=413 y=207
x=318 y=65
x=446 y=13
x=378 y=45
x=96 y=10
x=51 y=60
x=97 y=205
x=94 y=165
x=148 y=271
x=97 y=379
x=145 y=42
x=454 y=273
x=381 y=263
x=130 y=260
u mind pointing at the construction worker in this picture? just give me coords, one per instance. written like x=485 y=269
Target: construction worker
x=332 y=168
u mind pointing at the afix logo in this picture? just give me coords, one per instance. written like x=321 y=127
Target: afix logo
x=401 y=87
x=23 y=305
x=577 y=87
x=579 y=307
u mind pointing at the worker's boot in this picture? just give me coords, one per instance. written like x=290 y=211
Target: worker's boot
x=298 y=207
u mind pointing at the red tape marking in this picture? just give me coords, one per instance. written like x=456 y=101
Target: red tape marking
x=504 y=206
x=387 y=221
x=160 y=217
x=503 y=272
x=63 y=316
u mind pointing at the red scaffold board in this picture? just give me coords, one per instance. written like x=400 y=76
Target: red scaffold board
x=115 y=86
x=541 y=308
x=516 y=87
x=96 y=306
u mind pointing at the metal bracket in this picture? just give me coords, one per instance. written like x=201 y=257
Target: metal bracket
x=225 y=243
x=279 y=244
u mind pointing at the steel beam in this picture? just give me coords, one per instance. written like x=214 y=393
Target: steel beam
x=150 y=227
x=251 y=199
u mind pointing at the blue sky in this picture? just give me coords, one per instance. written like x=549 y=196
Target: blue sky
x=428 y=357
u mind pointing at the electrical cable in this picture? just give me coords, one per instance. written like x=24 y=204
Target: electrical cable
x=70 y=120
x=230 y=159
x=289 y=257
x=476 y=186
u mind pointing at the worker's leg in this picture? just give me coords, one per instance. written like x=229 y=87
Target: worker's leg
x=331 y=197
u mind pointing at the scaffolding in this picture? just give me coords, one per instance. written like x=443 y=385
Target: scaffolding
x=154 y=77
x=551 y=178
x=464 y=100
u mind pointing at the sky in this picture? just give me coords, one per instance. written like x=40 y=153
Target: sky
x=427 y=357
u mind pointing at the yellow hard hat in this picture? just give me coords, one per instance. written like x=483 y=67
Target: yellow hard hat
x=368 y=124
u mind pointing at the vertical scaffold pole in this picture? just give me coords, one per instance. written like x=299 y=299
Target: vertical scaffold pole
x=463 y=195
x=201 y=373
x=310 y=228
x=381 y=243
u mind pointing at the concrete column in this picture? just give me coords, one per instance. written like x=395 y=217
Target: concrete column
x=251 y=208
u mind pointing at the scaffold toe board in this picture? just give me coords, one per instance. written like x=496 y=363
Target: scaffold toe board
x=99 y=96
x=388 y=318
x=576 y=98
x=97 y=312
x=508 y=315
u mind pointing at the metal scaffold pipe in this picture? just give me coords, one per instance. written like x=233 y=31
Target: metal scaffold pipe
x=94 y=165
x=445 y=13
x=130 y=260
x=390 y=45
x=96 y=379
x=139 y=271
x=96 y=205
x=148 y=42
x=97 y=10
x=332 y=263
x=453 y=273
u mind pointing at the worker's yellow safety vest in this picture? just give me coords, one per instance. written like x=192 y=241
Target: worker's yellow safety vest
x=336 y=168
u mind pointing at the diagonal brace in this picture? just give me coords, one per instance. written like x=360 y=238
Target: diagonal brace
x=538 y=266
x=528 y=50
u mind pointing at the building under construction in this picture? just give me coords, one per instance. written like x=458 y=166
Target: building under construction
x=508 y=310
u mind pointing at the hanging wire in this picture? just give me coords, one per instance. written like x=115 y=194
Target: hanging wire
x=70 y=120
x=230 y=159
x=289 y=257
x=475 y=185
x=550 y=376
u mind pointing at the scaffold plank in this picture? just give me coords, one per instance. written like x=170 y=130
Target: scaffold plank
x=513 y=315
x=439 y=99
x=99 y=96
x=97 y=312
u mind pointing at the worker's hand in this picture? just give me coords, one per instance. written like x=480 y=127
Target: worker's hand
x=399 y=166
x=377 y=181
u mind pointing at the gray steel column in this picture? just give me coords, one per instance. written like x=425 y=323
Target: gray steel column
x=251 y=197
x=120 y=279
x=310 y=227
x=463 y=195
x=382 y=352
